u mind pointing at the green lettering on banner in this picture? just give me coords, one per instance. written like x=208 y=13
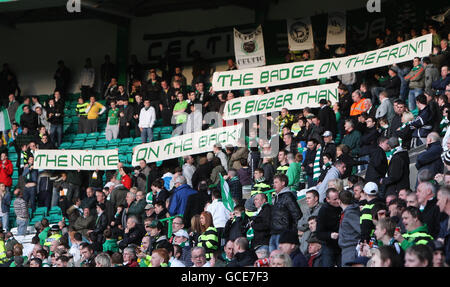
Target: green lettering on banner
x=335 y=95
x=421 y=44
x=152 y=151
x=224 y=140
x=400 y=52
x=300 y=97
x=369 y=59
x=261 y=105
x=295 y=73
x=273 y=75
x=39 y=158
x=239 y=80
x=236 y=107
x=50 y=160
x=270 y=103
x=382 y=55
x=326 y=65
x=413 y=48
x=288 y=99
x=62 y=160
x=393 y=52
x=322 y=94
x=358 y=60
x=286 y=74
x=187 y=144
x=139 y=152
x=96 y=160
x=249 y=106
x=279 y=101
x=232 y=135
x=87 y=158
x=349 y=61
x=264 y=77
x=179 y=146
x=167 y=147
x=248 y=79
x=202 y=141
x=312 y=96
x=223 y=77
x=75 y=158
x=113 y=160
x=212 y=139
x=308 y=70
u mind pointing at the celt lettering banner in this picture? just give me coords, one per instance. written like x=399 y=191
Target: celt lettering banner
x=282 y=74
x=76 y=159
x=189 y=144
x=249 y=49
x=292 y=99
x=336 y=30
x=300 y=34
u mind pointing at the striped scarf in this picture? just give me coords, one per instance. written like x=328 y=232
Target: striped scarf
x=316 y=167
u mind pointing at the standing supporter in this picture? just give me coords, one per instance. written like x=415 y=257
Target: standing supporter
x=378 y=165
x=219 y=213
x=397 y=177
x=426 y=197
x=180 y=196
x=352 y=137
x=336 y=171
x=327 y=117
x=93 y=111
x=349 y=227
x=112 y=123
x=416 y=78
x=209 y=238
x=147 y=118
x=5 y=203
x=285 y=210
x=87 y=79
x=82 y=115
x=21 y=211
x=386 y=109
x=328 y=228
x=422 y=124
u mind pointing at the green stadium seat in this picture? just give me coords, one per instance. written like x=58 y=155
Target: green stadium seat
x=12 y=157
x=167 y=130
x=11 y=149
x=77 y=145
x=102 y=143
x=40 y=211
x=67 y=121
x=157 y=130
x=129 y=158
x=123 y=149
x=92 y=136
x=126 y=142
x=75 y=119
x=114 y=142
x=122 y=158
x=165 y=136
x=35 y=219
x=137 y=141
x=15 y=174
x=55 y=210
x=101 y=135
x=54 y=218
x=65 y=145
x=79 y=137
x=156 y=137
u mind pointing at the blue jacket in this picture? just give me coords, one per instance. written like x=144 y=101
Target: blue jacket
x=439 y=85
x=431 y=159
x=179 y=199
x=298 y=259
x=6 y=202
x=423 y=123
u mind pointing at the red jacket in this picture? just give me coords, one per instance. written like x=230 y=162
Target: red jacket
x=126 y=181
x=6 y=170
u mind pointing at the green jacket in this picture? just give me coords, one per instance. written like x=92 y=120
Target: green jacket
x=110 y=245
x=352 y=141
x=293 y=174
x=137 y=209
x=416 y=237
x=43 y=235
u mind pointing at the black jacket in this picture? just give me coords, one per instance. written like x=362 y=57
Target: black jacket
x=431 y=159
x=29 y=121
x=327 y=223
x=285 y=212
x=100 y=224
x=195 y=205
x=378 y=165
x=309 y=158
x=329 y=148
x=261 y=226
x=134 y=236
x=350 y=162
x=57 y=117
x=345 y=103
x=395 y=124
x=392 y=86
x=327 y=119
x=432 y=217
x=203 y=172
x=368 y=140
x=243 y=259
x=235 y=228
x=398 y=172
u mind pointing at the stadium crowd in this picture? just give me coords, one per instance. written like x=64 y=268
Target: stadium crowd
x=358 y=205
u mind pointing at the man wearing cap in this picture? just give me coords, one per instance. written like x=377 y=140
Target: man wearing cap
x=314 y=256
x=54 y=235
x=329 y=145
x=327 y=117
x=181 y=238
x=157 y=238
x=289 y=244
x=367 y=226
x=398 y=169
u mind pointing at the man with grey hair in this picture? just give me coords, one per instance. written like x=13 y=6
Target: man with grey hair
x=188 y=169
x=397 y=177
x=426 y=197
x=386 y=109
x=103 y=260
x=133 y=233
x=180 y=196
x=198 y=257
x=431 y=158
x=217 y=149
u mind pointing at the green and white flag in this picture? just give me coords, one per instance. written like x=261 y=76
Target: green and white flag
x=226 y=195
x=5 y=122
x=316 y=166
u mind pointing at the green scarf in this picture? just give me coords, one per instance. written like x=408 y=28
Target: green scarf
x=316 y=167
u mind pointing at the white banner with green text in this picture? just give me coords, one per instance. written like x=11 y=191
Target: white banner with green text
x=291 y=99
x=188 y=144
x=282 y=74
x=51 y=159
